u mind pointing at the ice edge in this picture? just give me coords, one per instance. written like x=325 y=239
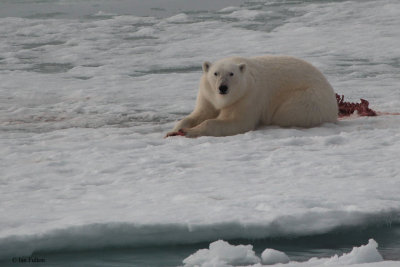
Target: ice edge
x=122 y=234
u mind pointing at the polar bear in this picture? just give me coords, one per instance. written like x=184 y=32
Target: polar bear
x=239 y=94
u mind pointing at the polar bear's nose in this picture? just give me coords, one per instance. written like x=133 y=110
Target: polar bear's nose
x=223 y=89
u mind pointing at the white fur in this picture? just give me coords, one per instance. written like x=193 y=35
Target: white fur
x=265 y=90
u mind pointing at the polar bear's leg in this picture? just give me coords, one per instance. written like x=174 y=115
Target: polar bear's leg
x=203 y=111
x=306 y=108
x=220 y=127
x=239 y=118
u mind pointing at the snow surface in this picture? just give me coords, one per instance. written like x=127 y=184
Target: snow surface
x=222 y=254
x=85 y=103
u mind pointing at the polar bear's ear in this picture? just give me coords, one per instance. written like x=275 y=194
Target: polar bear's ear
x=206 y=66
x=242 y=67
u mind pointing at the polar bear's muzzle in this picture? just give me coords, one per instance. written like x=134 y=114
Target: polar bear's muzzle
x=223 y=89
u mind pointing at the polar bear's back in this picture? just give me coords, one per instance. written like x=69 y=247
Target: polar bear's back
x=297 y=93
x=286 y=71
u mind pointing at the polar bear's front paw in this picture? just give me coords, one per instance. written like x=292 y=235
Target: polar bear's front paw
x=191 y=133
x=178 y=133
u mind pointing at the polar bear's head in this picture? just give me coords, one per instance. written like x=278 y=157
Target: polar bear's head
x=226 y=80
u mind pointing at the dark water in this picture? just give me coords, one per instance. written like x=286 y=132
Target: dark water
x=326 y=245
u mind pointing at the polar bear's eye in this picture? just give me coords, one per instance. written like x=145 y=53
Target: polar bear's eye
x=231 y=74
x=216 y=73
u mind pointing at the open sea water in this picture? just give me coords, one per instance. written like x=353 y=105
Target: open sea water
x=83 y=77
x=298 y=249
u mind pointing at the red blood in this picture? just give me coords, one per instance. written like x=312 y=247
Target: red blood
x=181 y=133
x=178 y=133
x=348 y=108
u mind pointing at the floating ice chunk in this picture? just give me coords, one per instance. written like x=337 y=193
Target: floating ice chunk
x=221 y=253
x=229 y=9
x=179 y=18
x=102 y=13
x=145 y=32
x=271 y=256
x=246 y=14
x=364 y=254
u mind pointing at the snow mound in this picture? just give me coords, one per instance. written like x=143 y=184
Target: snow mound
x=221 y=253
x=271 y=256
